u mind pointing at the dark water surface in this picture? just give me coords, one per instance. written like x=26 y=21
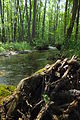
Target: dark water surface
x=15 y=68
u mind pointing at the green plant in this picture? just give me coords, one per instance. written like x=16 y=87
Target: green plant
x=18 y=46
x=46 y=98
x=41 y=44
x=2 y=49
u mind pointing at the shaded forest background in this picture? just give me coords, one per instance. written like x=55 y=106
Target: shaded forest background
x=40 y=21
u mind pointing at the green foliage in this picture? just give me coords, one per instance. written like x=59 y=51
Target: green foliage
x=2 y=49
x=21 y=46
x=16 y=18
x=16 y=24
x=46 y=98
x=16 y=46
x=72 y=49
x=41 y=44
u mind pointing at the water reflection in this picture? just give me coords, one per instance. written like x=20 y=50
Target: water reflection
x=20 y=66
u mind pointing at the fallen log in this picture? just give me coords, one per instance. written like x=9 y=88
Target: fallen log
x=48 y=94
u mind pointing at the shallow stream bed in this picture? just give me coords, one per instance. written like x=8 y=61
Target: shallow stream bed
x=14 y=68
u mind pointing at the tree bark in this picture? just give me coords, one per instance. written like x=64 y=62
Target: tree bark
x=43 y=25
x=56 y=22
x=39 y=17
x=30 y=9
x=1 y=17
x=50 y=25
x=77 y=22
x=8 y=29
x=57 y=14
x=2 y=20
x=3 y=30
x=72 y=19
x=21 y=22
x=15 y=19
x=34 y=20
x=11 y=22
x=28 y=20
x=65 y=16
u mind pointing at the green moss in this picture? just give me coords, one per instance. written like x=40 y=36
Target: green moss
x=6 y=90
x=40 y=71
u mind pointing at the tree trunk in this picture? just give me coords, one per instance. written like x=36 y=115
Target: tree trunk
x=56 y=22
x=15 y=22
x=2 y=20
x=65 y=16
x=39 y=17
x=8 y=29
x=43 y=25
x=72 y=19
x=34 y=20
x=3 y=30
x=57 y=14
x=50 y=26
x=11 y=23
x=15 y=19
x=21 y=22
x=28 y=19
x=30 y=9
x=77 y=22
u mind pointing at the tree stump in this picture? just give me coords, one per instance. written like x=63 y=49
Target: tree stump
x=52 y=93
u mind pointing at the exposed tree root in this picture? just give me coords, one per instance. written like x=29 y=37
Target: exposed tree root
x=52 y=93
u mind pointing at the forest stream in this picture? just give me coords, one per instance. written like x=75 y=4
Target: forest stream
x=16 y=67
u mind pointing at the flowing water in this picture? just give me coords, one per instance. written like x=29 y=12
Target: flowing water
x=15 y=68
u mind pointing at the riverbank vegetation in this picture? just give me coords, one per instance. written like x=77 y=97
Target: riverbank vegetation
x=17 y=46
x=39 y=23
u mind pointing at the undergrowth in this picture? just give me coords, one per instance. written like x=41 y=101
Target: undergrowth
x=16 y=46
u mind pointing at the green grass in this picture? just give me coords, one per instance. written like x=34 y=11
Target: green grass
x=15 y=46
x=73 y=49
